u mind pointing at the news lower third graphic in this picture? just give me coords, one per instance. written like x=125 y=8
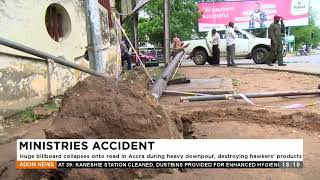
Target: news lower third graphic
x=159 y=153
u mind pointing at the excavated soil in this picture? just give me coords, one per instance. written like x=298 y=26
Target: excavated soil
x=303 y=121
x=101 y=108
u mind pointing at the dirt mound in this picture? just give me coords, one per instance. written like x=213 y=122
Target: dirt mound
x=304 y=121
x=101 y=108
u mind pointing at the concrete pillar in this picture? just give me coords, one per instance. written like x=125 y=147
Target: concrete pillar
x=95 y=46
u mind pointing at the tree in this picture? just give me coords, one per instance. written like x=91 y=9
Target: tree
x=309 y=35
x=183 y=20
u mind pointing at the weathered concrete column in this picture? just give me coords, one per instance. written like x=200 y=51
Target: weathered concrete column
x=94 y=38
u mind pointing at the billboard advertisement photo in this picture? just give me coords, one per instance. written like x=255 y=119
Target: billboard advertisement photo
x=251 y=14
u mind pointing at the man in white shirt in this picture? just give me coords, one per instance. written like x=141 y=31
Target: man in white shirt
x=231 y=44
x=215 y=47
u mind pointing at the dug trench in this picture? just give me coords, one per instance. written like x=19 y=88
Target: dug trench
x=245 y=123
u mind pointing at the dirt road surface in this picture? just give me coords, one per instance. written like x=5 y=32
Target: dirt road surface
x=237 y=119
x=227 y=119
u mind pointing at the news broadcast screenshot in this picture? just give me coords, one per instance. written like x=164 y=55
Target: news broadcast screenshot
x=159 y=90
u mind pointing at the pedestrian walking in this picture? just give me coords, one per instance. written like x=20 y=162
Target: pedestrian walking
x=215 y=47
x=231 y=44
x=275 y=32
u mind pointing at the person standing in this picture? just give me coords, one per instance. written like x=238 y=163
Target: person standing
x=125 y=56
x=275 y=32
x=177 y=45
x=215 y=47
x=231 y=44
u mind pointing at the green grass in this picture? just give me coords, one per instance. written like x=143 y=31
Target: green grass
x=51 y=106
x=235 y=82
x=156 y=73
x=28 y=116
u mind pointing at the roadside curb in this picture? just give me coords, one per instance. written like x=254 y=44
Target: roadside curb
x=283 y=70
x=262 y=68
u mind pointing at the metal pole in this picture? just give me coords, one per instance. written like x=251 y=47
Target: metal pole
x=44 y=55
x=159 y=86
x=94 y=37
x=249 y=95
x=166 y=31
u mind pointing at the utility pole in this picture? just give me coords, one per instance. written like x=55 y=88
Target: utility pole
x=166 y=31
x=94 y=38
x=289 y=42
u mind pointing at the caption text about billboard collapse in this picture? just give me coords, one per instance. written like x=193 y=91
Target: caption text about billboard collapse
x=159 y=153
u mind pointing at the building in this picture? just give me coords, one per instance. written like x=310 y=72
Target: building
x=57 y=27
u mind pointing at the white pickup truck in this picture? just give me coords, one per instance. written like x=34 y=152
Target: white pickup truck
x=247 y=46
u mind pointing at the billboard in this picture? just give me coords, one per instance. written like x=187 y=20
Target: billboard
x=251 y=14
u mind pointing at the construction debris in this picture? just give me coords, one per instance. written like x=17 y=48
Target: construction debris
x=210 y=86
x=250 y=95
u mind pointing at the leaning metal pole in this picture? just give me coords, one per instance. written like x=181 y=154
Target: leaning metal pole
x=166 y=31
x=94 y=38
x=44 y=55
x=160 y=85
x=249 y=95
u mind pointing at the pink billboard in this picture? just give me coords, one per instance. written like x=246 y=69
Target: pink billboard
x=250 y=14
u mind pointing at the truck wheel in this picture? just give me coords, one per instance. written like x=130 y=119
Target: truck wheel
x=260 y=55
x=200 y=57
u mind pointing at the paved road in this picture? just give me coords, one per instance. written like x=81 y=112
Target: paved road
x=304 y=64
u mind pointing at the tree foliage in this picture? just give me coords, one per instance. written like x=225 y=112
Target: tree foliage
x=309 y=35
x=183 y=20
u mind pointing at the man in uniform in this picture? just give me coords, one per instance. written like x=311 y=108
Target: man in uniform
x=275 y=32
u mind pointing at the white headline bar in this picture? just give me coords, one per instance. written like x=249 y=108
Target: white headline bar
x=160 y=149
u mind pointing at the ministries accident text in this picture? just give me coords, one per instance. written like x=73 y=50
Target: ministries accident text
x=83 y=145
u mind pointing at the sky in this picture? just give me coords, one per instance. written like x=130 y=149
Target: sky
x=315 y=4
